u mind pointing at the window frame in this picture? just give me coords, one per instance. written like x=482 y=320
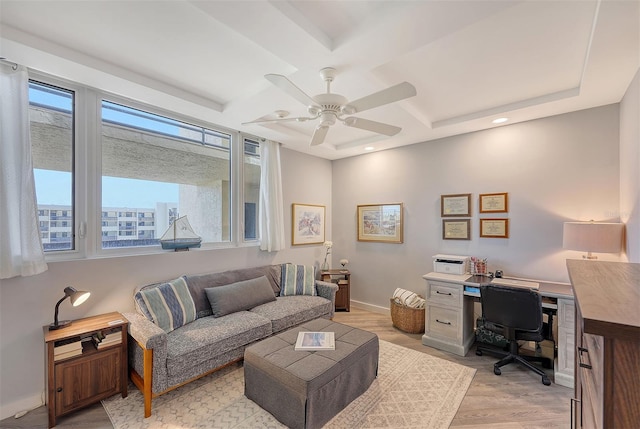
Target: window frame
x=87 y=173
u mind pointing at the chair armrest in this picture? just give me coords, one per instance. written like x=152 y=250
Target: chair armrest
x=327 y=290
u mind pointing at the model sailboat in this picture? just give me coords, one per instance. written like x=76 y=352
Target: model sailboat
x=180 y=236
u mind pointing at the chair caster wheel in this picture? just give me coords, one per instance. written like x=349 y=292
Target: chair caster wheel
x=478 y=352
x=496 y=370
x=546 y=381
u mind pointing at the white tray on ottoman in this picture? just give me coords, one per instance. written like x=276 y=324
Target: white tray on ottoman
x=305 y=389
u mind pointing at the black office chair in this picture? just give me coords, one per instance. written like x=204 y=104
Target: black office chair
x=515 y=313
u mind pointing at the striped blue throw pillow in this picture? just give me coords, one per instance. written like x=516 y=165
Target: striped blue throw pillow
x=298 y=280
x=168 y=305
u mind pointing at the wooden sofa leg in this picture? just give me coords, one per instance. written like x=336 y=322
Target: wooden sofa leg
x=147 y=363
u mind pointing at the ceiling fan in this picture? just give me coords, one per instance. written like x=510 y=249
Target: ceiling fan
x=330 y=108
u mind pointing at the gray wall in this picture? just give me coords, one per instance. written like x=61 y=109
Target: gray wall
x=27 y=303
x=557 y=169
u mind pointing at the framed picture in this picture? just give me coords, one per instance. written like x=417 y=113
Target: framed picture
x=494 y=203
x=455 y=205
x=456 y=229
x=380 y=222
x=494 y=228
x=307 y=224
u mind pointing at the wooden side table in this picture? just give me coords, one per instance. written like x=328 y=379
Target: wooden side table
x=82 y=371
x=343 y=279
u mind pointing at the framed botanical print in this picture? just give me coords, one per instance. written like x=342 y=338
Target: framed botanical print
x=307 y=224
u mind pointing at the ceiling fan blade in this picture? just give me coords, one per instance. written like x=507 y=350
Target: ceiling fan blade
x=394 y=93
x=289 y=87
x=376 y=127
x=319 y=134
x=263 y=121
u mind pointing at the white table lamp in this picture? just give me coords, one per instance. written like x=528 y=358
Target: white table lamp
x=598 y=237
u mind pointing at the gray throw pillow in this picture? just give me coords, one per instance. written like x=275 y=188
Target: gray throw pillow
x=239 y=296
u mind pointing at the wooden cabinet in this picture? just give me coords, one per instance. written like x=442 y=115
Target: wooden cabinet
x=607 y=336
x=448 y=317
x=343 y=279
x=80 y=369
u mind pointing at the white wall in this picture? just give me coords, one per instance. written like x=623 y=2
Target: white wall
x=27 y=304
x=556 y=169
x=630 y=167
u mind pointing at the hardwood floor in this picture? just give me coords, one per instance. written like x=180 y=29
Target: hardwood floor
x=515 y=400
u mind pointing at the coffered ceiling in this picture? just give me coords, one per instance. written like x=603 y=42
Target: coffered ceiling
x=470 y=61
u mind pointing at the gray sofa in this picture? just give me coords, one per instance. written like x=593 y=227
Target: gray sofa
x=221 y=315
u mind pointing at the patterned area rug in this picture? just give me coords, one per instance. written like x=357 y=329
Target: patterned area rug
x=412 y=390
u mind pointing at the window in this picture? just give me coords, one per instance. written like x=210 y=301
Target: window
x=152 y=169
x=251 y=190
x=51 y=113
x=156 y=169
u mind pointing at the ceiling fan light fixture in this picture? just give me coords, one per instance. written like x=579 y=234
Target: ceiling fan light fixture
x=328 y=118
x=350 y=121
x=348 y=110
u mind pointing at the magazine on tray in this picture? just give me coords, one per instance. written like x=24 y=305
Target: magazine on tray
x=311 y=341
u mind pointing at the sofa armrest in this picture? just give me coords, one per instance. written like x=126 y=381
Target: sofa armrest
x=150 y=349
x=327 y=290
x=145 y=332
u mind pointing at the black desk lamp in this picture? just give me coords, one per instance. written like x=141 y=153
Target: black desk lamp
x=77 y=298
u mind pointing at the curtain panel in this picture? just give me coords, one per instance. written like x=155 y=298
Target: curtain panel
x=21 y=252
x=271 y=210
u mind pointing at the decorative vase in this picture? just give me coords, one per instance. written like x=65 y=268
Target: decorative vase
x=325 y=266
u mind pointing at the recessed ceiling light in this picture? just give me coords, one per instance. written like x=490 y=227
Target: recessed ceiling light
x=500 y=120
x=369 y=148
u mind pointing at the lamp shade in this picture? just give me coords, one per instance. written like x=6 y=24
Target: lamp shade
x=76 y=297
x=599 y=237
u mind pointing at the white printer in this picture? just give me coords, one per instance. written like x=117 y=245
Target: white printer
x=451 y=264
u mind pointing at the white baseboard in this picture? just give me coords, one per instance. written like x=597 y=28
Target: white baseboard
x=25 y=404
x=370 y=307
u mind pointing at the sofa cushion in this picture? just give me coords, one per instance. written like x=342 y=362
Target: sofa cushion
x=198 y=283
x=239 y=296
x=293 y=310
x=168 y=305
x=298 y=280
x=190 y=348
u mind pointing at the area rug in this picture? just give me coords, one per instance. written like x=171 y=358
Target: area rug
x=412 y=390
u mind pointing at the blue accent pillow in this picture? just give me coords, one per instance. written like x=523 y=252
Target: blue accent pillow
x=298 y=280
x=168 y=305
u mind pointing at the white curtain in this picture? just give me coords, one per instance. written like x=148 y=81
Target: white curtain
x=271 y=209
x=21 y=251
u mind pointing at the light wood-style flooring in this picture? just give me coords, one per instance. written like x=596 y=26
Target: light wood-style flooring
x=514 y=400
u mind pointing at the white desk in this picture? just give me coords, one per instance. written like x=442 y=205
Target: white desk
x=449 y=319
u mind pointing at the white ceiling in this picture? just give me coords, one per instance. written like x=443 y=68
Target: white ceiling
x=470 y=61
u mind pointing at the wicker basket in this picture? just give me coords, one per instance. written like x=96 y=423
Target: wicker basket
x=407 y=319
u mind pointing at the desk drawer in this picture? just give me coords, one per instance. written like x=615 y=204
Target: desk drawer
x=445 y=294
x=443 y=322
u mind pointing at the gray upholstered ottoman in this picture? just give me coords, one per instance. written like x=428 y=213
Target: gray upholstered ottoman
x=306 y=389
